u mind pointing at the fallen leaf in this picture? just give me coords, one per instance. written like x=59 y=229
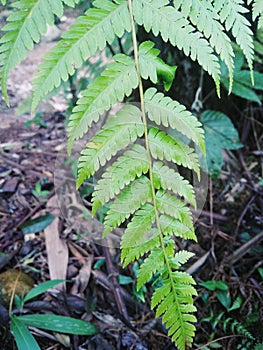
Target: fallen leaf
x=57 y=250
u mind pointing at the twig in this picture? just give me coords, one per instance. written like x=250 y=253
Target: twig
x=244 y=213
x=116 y=288
x=240 y=252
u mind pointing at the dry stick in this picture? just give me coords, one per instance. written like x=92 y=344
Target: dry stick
x=244 y=213
x=116 y=287
x=240 y=252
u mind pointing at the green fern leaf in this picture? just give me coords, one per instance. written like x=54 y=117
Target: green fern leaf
x=205 y=18
x=133 y=163
x=3 y=2
x=163 y=146
x=231 y=14
x=28 y=20
x=91 y=32
x=117 y=81
x=180 y=258
x=116 y=134
x=163 y=110
x=153 y=67
x=170 y=205
x=143 y=246
x=71 y=3
x=138 y=227
x=257 y=11
x=128 y=201
x=167 y=179
x=171 y=226
x=153 y=263
x=174 y=303
x=157 y=16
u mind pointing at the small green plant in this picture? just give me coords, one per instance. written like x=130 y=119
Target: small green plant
x=38 y=192
x=19 y=324
x=224 y=320
x=144 y=192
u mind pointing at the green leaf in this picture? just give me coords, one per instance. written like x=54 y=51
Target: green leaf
x=123 y=280
x=41 y=288
x=90 y=32
x=153 y=67
x=24 y=339
x=219 y=133
x=163 y=110
x=37 y=225
x=58 y=323
x=128 y=201
x=133 y=163
x=153 y=263
x=224 y=298
x=168 y=179
x=237 y=303
x=25 y=24
x=115 y=135
x=116 y=82
x=164 y=146
x=160 y=18
x=138 y=227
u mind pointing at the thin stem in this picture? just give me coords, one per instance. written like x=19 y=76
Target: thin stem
x=149 y=157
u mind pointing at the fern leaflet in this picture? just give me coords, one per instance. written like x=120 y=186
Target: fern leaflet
x=130 y=200
x=163 y=110
x=117 y=81
x=157 y=16
x=205 y=18
x=132 y=164
x=90 y=33
x=153 y=67
x=164 y=146
x=168 y=179
x=230 y=12
x=116 y=134
x=26 y=23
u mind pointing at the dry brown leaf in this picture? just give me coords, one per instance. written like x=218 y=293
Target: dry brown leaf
x=57 y=250
x=82 y=279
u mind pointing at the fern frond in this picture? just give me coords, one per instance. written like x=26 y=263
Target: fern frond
x=180 y=258
x=116 y=134
x=231 y=14
x=28 y=20
x=167 y=179
x=116 y=82
x=205 y=18
x=157 y=16
x=91 y=32
x=171 y=226
x=143 y=246
x=170 y=205
x=163 y=110
x=138 y=227
x=164 y=146
x=174 y=303
x=128 y=201
x=257 y=12
x=150 y=266
x=153 y=67
x=133 y=163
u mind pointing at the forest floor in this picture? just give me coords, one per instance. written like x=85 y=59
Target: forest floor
x=46 y=232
